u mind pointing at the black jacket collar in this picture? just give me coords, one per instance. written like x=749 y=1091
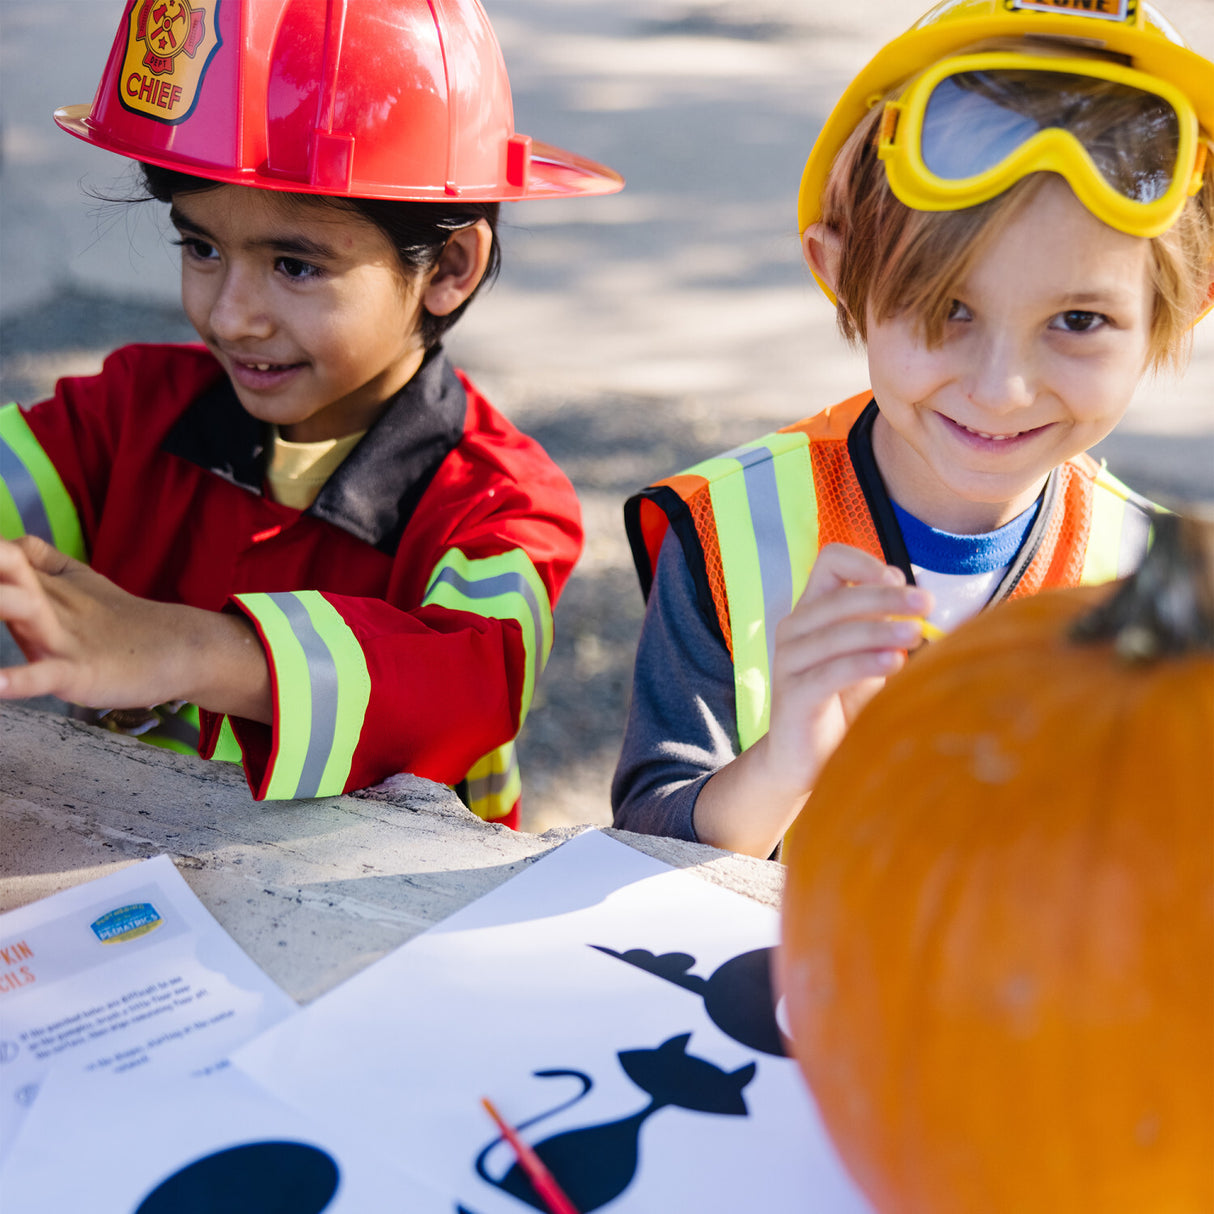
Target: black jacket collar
x=375 y=490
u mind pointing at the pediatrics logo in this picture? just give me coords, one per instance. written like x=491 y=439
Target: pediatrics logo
x=169 y=46
x=126 y=923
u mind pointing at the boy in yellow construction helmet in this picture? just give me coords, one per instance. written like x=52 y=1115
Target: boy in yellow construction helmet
x=311 y=528
x=1012 y=207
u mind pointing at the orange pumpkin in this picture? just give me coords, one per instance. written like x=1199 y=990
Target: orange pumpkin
x=998 y=931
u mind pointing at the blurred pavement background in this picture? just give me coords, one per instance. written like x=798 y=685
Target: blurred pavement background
x=631 y=334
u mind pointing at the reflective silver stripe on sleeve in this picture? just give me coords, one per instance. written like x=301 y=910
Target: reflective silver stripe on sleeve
x=491 y=587
x=322 y=677
x=492 y=785
x=25 y=494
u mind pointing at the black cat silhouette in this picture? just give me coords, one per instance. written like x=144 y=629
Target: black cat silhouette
x=737 y=997
x=595 y=1164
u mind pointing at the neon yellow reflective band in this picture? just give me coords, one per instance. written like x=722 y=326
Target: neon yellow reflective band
x=180 y=732
x=494 y=783
x=33 y=497
x=11 y=524
x=505 y=587
x=1100 y=561
x=227 y=748
x=767 y=532
x=322 y=688
x=744 y=590
x=1116 y=532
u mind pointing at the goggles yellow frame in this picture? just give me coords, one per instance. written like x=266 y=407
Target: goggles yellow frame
x=1049 y=149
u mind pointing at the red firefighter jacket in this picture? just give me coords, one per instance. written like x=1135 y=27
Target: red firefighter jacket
x=406 y=614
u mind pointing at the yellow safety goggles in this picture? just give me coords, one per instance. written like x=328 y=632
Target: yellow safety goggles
x=1128 y=144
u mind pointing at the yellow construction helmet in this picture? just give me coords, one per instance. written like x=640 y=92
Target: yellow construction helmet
x=959 y=134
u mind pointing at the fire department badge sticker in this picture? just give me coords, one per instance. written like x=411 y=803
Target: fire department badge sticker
x=169 y=45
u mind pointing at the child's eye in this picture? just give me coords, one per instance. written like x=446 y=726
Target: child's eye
x=292 y=267
x=199 y=250
x=958 y=311
x=1078 y=322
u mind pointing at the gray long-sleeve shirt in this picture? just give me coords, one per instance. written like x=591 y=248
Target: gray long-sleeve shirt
x=681 y=722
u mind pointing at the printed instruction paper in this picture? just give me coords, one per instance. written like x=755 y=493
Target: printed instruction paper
x=126 y=973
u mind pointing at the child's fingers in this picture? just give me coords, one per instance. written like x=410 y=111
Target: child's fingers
x=873 y=647
x=811 y=711
x=43 y=557
x=842 y=565
x=841 y=674
x=847 y=582
x=19 y=604
x=849 y=602
x=13 y=562
x=46 y=676
x=23 y=601
x=19 y=584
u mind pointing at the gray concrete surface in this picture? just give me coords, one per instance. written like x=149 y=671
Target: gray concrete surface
x=313 y=891
x=632 y=334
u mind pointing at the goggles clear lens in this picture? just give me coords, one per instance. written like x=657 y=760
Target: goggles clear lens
x=975 y=120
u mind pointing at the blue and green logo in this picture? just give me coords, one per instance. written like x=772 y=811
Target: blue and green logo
x=126 y=923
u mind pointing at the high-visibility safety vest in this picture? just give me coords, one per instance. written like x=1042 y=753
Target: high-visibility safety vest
x=752 y=521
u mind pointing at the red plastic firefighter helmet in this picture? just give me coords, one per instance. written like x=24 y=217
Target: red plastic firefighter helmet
x=404 y=99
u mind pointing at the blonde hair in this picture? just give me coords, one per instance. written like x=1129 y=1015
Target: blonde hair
x=895 y=260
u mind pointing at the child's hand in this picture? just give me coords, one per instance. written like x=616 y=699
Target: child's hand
x=89 y=642
x=833 y=652
x=85 y=640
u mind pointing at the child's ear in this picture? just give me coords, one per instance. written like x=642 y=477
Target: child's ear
x=822 y=248
x=461 y=266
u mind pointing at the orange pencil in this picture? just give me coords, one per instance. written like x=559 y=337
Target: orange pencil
x=542 y=1180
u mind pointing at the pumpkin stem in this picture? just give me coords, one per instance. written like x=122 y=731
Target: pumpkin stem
x=1167 y=606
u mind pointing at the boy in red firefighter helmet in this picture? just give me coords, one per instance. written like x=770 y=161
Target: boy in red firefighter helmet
x=311 y=527
x=1013 y=208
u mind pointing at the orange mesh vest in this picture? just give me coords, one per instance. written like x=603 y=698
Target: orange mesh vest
x=752 y=521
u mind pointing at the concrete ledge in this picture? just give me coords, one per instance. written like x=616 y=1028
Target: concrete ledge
x=312 y=890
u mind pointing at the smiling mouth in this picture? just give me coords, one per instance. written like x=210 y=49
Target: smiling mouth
x=252 y=366
x=996 y=438
x=261 y=376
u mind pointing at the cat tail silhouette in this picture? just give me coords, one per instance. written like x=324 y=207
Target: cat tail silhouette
x=587 y=1084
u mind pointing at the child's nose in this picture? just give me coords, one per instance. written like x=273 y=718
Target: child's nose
x=239 y=310
x=1001 y=378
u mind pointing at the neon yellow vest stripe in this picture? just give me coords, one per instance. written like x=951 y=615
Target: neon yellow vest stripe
x=1105 y=558
x=765 y=510
x=504 y=587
